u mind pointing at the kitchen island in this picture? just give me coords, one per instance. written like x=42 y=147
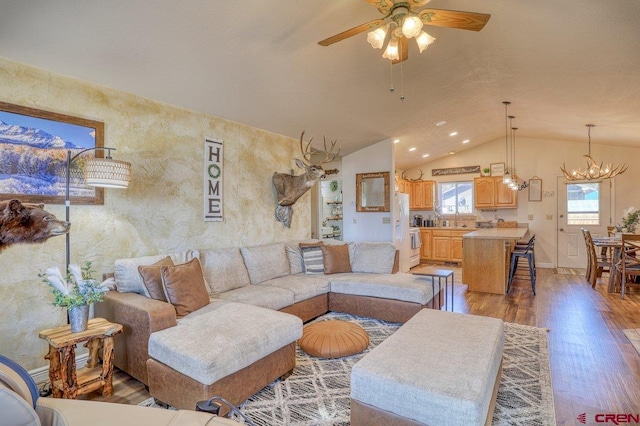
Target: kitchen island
x=486 y=254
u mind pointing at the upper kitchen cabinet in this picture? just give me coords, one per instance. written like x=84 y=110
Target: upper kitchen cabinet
x=421 y=195
x=491 y=193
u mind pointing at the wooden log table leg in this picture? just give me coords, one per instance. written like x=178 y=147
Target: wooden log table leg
x=107 y=366
x=94 y=346
x=68 y=372
x=54 y=371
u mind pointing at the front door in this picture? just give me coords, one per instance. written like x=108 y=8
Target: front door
x=580 y=205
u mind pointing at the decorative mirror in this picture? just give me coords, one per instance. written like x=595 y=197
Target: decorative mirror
x=372 y=192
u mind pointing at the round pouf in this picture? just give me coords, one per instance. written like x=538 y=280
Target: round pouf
x=333 y=339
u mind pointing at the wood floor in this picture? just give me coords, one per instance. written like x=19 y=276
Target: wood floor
x=594 y=367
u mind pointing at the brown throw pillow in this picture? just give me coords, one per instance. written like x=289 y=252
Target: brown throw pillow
x=184 y=287
x=152 y=278
x=336 y=258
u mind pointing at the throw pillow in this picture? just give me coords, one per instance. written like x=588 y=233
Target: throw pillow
x=152 y=278
x=373 y=258
x=265 y=262
x=184 y=287
x=312 y=258
x=336 y=259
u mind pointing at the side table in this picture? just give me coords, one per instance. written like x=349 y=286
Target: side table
x=68 y=383
x=440 y=273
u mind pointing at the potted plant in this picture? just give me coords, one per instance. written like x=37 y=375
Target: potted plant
x=76 y=292
x=630 y=220
x=486 y=171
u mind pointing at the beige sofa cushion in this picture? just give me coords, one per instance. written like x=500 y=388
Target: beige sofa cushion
x=267 y=297
x=303 y=286
x=128 y=279
x=373 y=258
x=224 y=269
x=265 y=262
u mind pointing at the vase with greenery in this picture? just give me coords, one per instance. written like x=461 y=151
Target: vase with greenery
x=630 y=220
x=76 y=292
x=486 y=171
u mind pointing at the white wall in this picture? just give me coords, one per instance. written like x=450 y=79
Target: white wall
x=543 y=158
x=366 y=226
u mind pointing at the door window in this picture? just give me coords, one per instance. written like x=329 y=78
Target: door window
x=583 y=204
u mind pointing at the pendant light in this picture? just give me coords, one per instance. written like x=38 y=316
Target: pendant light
x=506 y=177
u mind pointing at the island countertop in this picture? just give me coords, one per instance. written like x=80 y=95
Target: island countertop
x=498 y=233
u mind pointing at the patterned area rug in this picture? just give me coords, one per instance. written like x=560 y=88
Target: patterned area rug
x=318 y=390
x=633 y=334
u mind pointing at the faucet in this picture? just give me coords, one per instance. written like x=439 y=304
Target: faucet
x=455 y=222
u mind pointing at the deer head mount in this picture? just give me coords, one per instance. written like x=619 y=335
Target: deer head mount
x=289 y=187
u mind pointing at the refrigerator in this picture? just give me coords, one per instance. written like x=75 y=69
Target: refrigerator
x=401 y=238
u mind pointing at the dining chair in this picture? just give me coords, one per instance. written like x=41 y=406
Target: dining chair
x=527 y=253
x=607 y=251
x=596 y=264
x=629 y=265
x=508 y=224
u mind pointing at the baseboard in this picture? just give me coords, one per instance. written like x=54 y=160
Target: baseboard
x=545 y=265
x=41 y=375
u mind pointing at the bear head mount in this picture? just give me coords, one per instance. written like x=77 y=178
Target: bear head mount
x=27 y=223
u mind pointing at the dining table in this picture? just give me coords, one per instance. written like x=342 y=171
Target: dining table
x=614 y=243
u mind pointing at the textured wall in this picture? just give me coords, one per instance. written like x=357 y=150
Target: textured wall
x=161 y=211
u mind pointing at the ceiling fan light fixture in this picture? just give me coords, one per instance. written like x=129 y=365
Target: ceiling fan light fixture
x=411 y=26
x=377 y=37
x=391 y=52
x=424 y=40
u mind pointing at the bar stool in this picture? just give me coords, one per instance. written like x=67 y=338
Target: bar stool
x=529 y=253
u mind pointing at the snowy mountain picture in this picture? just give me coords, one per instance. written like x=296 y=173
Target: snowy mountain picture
x=33 y=155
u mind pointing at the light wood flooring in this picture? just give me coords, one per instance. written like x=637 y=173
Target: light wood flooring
x=594 y=367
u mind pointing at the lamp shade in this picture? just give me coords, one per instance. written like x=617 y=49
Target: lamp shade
x=107 y=173
x=411 y=26
x=392 y=50
x=424 y=40
x=376 y=37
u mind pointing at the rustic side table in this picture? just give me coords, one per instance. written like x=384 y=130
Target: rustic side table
x=68 y=383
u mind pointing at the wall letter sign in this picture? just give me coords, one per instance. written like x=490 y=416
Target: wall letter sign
x=212 y=180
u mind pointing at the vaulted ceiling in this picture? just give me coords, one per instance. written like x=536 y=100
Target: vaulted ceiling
x=562 y=64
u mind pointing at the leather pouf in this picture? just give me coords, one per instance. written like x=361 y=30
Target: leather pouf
x=333 y=339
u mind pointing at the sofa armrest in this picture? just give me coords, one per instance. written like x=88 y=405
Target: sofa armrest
x=140 y=316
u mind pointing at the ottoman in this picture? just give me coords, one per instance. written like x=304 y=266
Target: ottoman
x=333 y=339
x=438 y=368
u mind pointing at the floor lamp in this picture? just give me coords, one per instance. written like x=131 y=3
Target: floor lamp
x=99 y=172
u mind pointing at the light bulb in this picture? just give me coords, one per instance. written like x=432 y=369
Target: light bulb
x=377 y=36
x=424 y=40
x=506 y=179
x=411 y=26
x=392 y=50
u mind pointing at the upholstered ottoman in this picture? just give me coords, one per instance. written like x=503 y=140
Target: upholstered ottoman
x=333 y=339
x=438 y=368
x=224 y=349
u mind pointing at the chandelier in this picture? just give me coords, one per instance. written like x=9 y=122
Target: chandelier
x=406 y=24
x=593 y=170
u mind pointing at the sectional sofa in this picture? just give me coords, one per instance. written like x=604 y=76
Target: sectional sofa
x=242 y=332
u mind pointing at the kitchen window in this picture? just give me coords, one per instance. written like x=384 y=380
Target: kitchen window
x=456 y=197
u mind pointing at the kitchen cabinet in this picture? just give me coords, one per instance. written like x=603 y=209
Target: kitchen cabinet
x=425 y=249
x=421 y=194
x=446 y=245
x=404 y=186
x=491 y=193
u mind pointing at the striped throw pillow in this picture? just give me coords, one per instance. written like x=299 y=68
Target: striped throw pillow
x=312 y=258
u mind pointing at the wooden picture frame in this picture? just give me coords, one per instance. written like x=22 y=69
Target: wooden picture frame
x=497 y=169
x=535 y=189
x=372 y=192
x=33 y=155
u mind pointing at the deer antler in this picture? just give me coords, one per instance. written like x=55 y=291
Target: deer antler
x=328 y=156
x=420 y=178
x=306 y=152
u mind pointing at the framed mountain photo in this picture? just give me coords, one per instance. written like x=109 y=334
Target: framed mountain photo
x=34 y=146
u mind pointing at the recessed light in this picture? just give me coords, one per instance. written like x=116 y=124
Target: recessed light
x=396 y=140
x=441 y=123
x=425 y=155
x=451 y=152
x=413 y=148
x=465 y=141
x=453 y=133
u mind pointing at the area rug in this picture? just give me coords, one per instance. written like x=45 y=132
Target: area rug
x=633 y=334
x=318 y=391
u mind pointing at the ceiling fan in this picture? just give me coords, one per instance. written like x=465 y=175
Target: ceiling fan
x=402 y=21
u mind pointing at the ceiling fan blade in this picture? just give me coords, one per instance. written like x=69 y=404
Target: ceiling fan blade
x=384 y=6
x=454 y=19
x=353 y=31
x=403 y=50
